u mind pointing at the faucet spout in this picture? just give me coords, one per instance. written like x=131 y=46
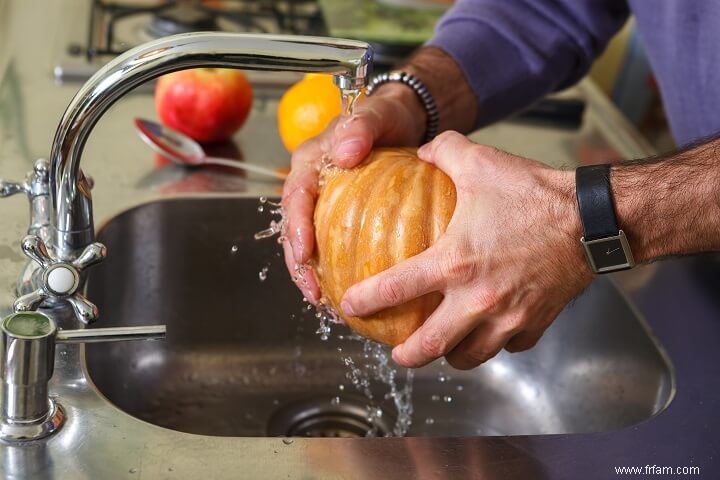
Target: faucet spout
x=349 y=61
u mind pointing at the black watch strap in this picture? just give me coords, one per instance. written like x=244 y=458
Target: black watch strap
x=595 y=202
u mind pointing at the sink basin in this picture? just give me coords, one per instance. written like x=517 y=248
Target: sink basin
x=242 y=356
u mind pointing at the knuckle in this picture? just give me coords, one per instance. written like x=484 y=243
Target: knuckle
x=390 y=289
x=485 y=300
x=440 y=141
x=433 y=344
x=480 y=152
x=514 y=323
x=457 y=266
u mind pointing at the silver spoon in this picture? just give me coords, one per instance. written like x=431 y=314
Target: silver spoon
x=183 y=150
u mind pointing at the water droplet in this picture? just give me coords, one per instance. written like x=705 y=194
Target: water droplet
x=335 y=401
x=435 y=398
x=447 y=399
x=263 y=199
x=341 y=387
x=459 y=388
x=288 y=441
x=261 y=208
x=429 y=421
x=262 y=274
x=133 y=470
x=234 y=249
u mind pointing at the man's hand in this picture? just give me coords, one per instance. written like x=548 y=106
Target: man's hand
x=508 y=263
x=392 y=116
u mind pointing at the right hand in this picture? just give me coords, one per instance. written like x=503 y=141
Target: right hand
x=393 y=116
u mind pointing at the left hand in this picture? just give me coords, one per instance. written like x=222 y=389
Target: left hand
x=508 y=263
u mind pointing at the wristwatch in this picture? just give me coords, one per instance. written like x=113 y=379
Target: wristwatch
x=605 y=245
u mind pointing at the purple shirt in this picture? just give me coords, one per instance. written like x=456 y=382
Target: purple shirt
x=515 y=51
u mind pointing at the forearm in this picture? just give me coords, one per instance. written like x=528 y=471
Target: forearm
x=670 y=205
x=513 y=52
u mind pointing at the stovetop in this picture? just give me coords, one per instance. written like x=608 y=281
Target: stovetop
x=114 y=26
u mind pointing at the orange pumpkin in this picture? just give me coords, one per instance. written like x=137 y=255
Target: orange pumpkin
x=369 y=218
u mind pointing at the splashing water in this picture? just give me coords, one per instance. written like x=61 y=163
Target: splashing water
x=374 y=366
x=277 y=225
x=262 y=274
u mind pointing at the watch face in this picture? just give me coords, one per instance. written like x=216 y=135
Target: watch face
x=609 y=254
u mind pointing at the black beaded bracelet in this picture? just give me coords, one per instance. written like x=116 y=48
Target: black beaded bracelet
x=433 y=116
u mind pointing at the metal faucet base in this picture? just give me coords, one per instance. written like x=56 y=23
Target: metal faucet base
x=34 y=430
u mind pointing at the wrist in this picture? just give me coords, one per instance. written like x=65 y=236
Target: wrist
x=443 y=77
x=565 y=219
x=407 y=92
x=404 y=96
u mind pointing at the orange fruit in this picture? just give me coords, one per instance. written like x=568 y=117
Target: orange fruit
x=307 y=108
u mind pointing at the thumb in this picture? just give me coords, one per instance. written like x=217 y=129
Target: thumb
x=446 y=152
x=353 y=138
x=375 y=120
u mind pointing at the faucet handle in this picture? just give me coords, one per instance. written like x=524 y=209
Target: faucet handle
x=61 y=280
x=8 y=189
x=36 y=182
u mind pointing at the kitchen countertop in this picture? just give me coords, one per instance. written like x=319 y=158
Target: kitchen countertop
x=678 y=298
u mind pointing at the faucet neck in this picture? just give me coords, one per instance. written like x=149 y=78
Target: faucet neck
x=350 y=61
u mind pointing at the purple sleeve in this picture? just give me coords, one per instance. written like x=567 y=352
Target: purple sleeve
x=513 y=52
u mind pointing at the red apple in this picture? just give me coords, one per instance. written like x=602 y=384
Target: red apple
x=208 y=104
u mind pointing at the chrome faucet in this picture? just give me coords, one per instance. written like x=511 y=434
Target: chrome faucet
x=60 y=239
x=66 y=245
x=349 y=61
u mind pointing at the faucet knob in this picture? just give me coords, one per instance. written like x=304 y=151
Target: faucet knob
x=61 y=280
x=8 y=189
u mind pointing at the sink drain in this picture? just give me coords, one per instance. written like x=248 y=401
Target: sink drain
x=322 y=418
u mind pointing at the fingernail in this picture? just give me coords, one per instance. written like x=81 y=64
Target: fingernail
x=345 y=305
x=297 y=250
x=349 y=148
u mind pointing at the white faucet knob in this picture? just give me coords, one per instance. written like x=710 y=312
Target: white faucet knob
x=62 y=280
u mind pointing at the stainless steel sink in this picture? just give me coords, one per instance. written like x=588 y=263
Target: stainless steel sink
x=242 y=357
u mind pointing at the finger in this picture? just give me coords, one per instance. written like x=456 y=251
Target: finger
x=373 y=122
x=299 y=194
x=400 y=283
x=306 y=282
x=524 y=340
x=481 y=344
x=446 y=151
x=441 y=332
x=529 y=337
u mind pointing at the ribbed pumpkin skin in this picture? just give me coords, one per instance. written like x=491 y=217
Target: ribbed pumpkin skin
x=369 y=218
